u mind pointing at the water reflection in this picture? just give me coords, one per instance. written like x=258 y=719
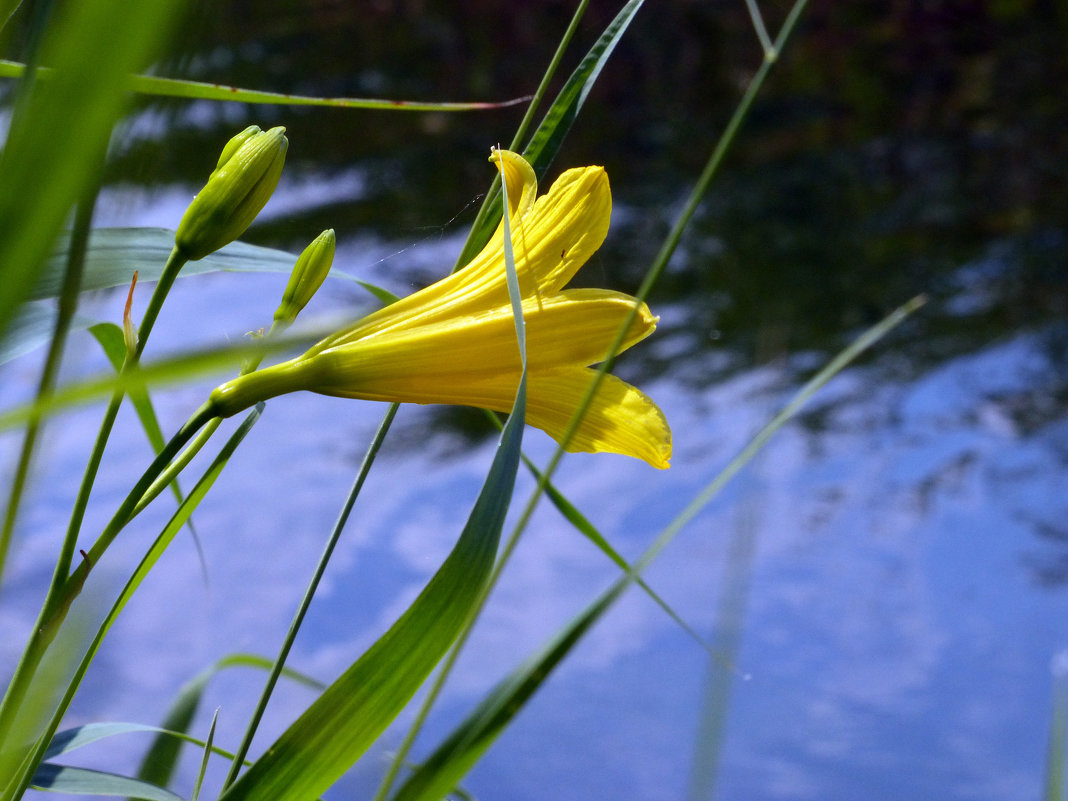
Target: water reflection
x=909 y=552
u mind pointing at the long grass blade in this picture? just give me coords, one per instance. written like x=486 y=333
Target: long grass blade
x=83 y=781
x=350 y=715
x=549 y=135
x=204 y=759
x=451 y=760
x=198 y=90
x=161 y=759
x=152 y=556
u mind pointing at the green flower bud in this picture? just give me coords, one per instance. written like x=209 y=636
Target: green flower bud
x=308 y=275
x=243 y=181
x=231 y=147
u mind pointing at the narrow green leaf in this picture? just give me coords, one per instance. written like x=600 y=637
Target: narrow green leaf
x=204 y=759
x=72 y=739
x=555 y=125
x=66 y=779
x=546 y=141
x=162 y=757
x=115 y=253
x=198 y=90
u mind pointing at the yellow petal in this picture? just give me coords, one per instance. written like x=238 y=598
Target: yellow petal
x=572 y=328
x=551 y=240
x=621 y=418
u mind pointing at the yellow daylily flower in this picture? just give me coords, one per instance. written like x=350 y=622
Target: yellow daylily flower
x=454 y=342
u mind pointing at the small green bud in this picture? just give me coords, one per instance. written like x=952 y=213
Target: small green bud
x=308 y=275
x=242 y=183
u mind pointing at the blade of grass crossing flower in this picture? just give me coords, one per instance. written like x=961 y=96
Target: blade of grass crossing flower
x=353 y=711
x=43 y=165
x=515 y=420
x=554 y=127
x=155 y=551
x=488 y=207
x=83 y=781
x=451 y=760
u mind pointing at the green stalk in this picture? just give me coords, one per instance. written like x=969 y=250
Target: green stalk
x=182 y=460
x=68 y=302
x=175 y=262
x=466 y=253
x=36 y=753
x=58 y=603
x=309 y=593
x=65 y=585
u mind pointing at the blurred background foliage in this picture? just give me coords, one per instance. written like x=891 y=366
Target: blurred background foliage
x=897 y=143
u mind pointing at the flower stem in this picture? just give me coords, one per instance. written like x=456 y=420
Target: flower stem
x=59 y=600
x=309 y=593
x=65 y=585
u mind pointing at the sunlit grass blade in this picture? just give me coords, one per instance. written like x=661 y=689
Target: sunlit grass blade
x=460 y=750
x=64 y=124
x=167 y=371
x=161 y=758
x=151 y=557
x=335 y=731
x=204 y=758
x=198 y=90
x=83 y=781
x=547 y=138
x=1057 y=751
